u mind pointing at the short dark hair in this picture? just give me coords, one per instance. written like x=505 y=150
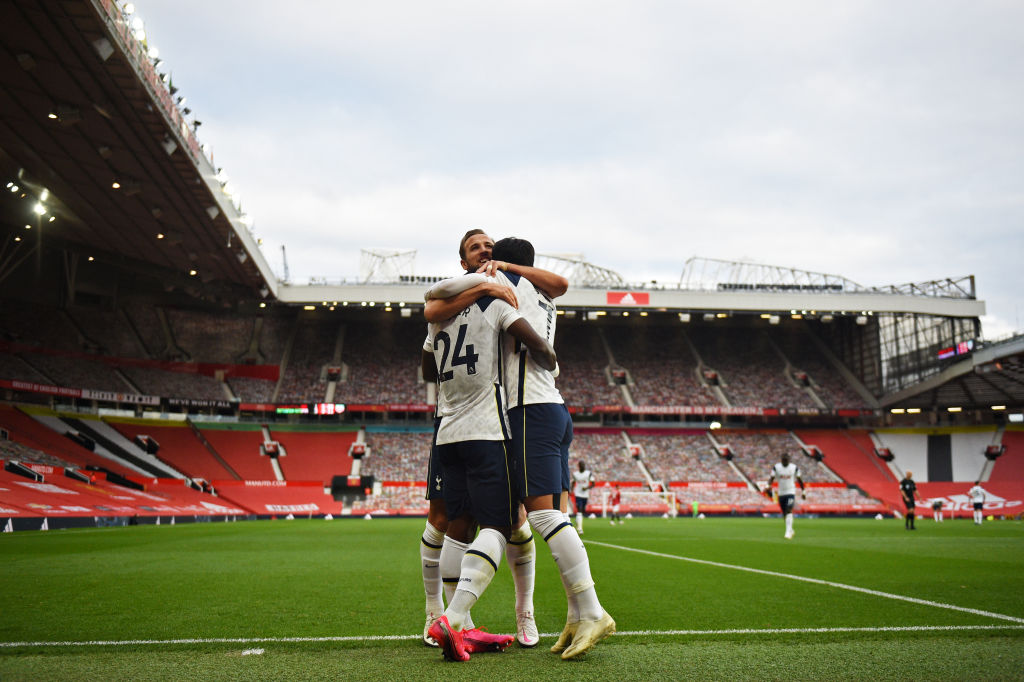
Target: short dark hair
x=462 y=244
x=513 y=250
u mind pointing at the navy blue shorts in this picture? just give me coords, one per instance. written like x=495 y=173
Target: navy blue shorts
x=581 y=504
x=979 y=506
x=476 y=482
x=435 y=478
x=786 y=503
x=541 y=435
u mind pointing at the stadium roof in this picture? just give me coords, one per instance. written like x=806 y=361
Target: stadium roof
x=92 y=133
x=99 y=159
x=991 y=376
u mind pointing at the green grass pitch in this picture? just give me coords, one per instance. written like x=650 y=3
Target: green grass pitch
x=343 y=599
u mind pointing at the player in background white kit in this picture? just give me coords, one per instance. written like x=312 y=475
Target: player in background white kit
x=582 y=481
x=977 y=495
x=788 y=475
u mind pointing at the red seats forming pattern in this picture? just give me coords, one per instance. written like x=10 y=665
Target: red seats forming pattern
x=1010 y=465
x=25 y=430
x=57 y=495
x=279 y=498
x=179 y=446
x=850 y=453
x=314 y=456
x=241 y=450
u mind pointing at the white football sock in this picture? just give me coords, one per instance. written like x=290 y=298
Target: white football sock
x=452 y=552
x=789 y=523
x=573 y=563
x=479 y=565
x=430 y=559
x=520 y=553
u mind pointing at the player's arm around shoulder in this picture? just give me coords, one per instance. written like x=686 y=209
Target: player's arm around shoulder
x=439 y=307
x=552 y=284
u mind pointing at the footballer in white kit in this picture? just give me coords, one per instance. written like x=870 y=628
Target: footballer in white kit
x=470 y=446
x=977 y=495
x=541 y=435
x=788 y=475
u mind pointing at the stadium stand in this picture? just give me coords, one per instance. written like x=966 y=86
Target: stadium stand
x=58 y=495
x=383 y=361
x=1010 y=466
x=15 y=368
x=682 y=457
x=179 y=446
x=108 y=330
x=253 y=390
x=605 y=453
x=663 y=369
x=314 y=455
x=312 y=346
x=750 y=369
x=25 y=322
x=239 y=446
x=173 y=384
x=401 y=499
x=273 y=337
x=212 y=338
x=397 y=456
x=582 y=379
x=718 y=498
x=26 y=430
x=851 y=454
x=79 y=372
x=279 y=498
x=14 y=451
x=145 y=320
x=804 y=355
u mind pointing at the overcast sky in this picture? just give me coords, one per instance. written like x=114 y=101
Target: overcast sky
x=882 y=141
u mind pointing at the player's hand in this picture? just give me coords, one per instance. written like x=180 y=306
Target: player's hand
x=492 y=266
x=501 y=291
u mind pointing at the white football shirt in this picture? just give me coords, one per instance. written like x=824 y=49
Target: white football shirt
x=786 y=476
x=467 y=351
x=582 y=480
x=526 y=382
x=977 y=494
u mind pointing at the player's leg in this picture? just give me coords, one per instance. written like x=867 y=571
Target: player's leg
x=431 y=544
x=587 y=622
x=521 y=554
x=574 y=569
x=786 y=507
x=581 y=508
x=432 y=541
x=488 y=501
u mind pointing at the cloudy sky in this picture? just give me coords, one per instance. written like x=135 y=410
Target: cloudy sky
x=878 y=140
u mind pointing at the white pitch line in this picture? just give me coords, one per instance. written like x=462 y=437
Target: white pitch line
x=395 y=638
x=816 y=581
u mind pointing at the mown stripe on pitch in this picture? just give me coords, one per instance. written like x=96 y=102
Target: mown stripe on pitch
x=815 y=581
x=397 y=638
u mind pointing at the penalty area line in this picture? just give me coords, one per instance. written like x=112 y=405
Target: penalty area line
x=397 y=638
x=815 y=581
